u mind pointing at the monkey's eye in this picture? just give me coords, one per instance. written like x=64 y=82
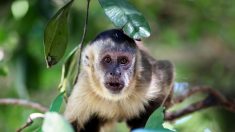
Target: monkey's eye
x=123 y=60
x=107 y=59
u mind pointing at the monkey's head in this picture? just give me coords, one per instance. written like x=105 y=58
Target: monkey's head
x=110 y=60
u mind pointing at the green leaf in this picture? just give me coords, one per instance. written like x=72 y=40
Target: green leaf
x=57 y=102
x=56 y=35
x=70 y=71
x=39 y=129
x=155 y=121
x=125 y=16
x=54 y=122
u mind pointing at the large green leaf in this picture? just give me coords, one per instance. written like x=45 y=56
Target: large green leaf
x=57 y=102
x=54 y=122
x=125 y=16
x=56 y=35
x=155 y=121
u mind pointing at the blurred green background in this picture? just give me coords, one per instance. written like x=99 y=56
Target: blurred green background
x=198 y=36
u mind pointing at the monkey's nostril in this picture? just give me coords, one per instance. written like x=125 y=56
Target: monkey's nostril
x=115 y=74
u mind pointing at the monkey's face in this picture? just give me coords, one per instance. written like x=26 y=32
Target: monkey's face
x=116 y=68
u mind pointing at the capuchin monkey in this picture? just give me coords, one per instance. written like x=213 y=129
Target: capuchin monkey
x=118 y=81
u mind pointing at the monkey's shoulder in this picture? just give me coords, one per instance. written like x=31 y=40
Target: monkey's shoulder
x=162 y=70
x=149 y=62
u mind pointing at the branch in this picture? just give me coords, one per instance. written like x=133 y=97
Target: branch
x=27 y=124
x=81 y=45
x=214 y=98
x=25 y=103
x=194 y=90
x=84 y=31
x=30 y=120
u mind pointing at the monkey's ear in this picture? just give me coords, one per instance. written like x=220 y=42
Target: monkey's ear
x=85 y=60
x=87 y=57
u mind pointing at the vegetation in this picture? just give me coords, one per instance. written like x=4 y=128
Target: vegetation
x=198 y=36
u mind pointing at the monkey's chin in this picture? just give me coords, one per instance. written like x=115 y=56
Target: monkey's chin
x=115 y=96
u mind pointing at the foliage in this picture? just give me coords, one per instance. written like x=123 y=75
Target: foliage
x=56 y=35
x=198 y=36
x=56 y=104
x=125 y=16
x=69 y=71
x=154 y=123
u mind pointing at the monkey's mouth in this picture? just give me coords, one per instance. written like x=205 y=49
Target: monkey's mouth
x=114 y=86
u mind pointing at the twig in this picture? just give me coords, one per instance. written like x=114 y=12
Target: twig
x=214 y=99
x=30 y=120
x=28 y=123
x=84 y=32
x=22 y=102
x=81 y=45
x=194 y=90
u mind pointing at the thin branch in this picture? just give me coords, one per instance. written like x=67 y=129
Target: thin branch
x=22 y=102
x=81 y=45
x=194 y=90
x=28 y=123
x=214 y=98
x=84 y=32
x=30 y=120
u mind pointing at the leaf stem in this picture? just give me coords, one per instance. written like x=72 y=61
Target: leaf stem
x=84 y=33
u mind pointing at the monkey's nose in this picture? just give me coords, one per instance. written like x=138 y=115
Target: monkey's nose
x=115 y=73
